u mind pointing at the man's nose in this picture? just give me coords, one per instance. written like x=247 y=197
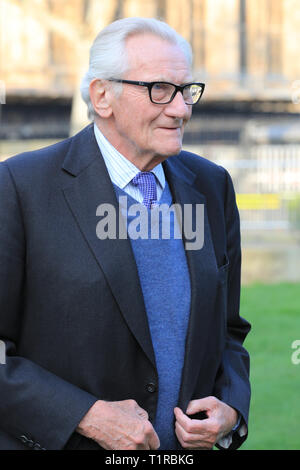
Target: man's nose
x=178 y=108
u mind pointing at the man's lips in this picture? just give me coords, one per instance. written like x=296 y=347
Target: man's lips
x=170 y=128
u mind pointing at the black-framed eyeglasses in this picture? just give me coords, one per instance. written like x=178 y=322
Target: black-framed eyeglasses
x=165 y=92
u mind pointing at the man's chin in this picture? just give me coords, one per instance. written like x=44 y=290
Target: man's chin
x=170 y=150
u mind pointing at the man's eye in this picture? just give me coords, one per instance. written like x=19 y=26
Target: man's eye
x=160 y=86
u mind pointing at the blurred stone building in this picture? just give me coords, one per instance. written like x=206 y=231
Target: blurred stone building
x=247 y=53
x=245 y=50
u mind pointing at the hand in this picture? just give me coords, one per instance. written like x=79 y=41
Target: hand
x=119 y=425
x=203 y=434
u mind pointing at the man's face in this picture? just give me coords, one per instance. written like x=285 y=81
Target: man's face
x=142 y=131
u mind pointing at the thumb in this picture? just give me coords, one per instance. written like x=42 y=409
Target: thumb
x=195 y=406
x=141 y=412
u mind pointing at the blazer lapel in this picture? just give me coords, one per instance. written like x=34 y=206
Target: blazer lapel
x=90 y=187
x=203 y=276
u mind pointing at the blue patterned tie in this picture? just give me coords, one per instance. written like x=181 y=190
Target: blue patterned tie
x=145 y=180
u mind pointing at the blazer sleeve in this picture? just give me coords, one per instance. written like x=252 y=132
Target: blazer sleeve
x=36 y=406
x=232 y=384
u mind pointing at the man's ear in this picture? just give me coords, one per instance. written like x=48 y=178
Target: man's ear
x=100 y=95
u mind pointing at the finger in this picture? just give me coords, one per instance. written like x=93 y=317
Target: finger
x=182 y=418
x=190 y=441
x=184 y=436
x=154 y=442
x=204 y=440
x=144 y=446
x=179 y=431
x=144 y=437
x=151 y=436
x=192 y=426
x=140 y=411
x=181 y=435
x=202 y=404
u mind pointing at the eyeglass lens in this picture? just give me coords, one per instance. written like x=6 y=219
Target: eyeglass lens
x=163 y=92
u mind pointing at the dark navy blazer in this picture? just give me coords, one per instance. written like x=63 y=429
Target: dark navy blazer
x=72 y=313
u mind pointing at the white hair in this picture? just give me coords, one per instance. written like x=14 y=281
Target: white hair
x=108 y=58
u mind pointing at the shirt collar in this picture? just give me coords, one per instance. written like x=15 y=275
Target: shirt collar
x=120 y=169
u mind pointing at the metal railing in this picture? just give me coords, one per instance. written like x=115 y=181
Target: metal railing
x=266 y=180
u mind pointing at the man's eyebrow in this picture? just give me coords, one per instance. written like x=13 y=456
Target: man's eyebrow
x=168 y=81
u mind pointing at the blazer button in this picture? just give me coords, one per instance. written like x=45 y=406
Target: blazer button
x=151 y=387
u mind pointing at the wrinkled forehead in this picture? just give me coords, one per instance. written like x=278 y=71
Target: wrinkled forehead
x=149 y=53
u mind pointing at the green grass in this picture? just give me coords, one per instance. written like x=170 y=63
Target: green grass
x=274 y=312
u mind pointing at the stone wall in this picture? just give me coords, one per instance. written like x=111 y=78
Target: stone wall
x=244 y=48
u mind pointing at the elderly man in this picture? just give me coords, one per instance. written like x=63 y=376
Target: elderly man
x=118 y=342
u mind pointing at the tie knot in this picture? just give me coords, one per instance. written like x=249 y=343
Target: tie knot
x=145 y=180
x=143 y=177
